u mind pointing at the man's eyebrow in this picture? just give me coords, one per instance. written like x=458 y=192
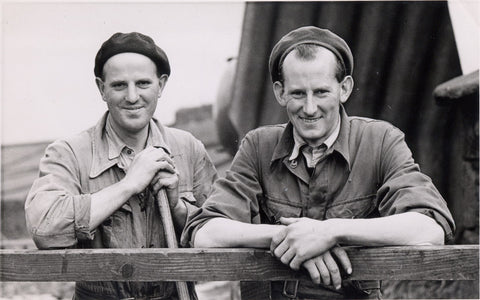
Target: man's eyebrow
x=144 y=79
x=117 y=82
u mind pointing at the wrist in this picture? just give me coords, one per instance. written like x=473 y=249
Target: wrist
x=337 y=230
x=129 y=189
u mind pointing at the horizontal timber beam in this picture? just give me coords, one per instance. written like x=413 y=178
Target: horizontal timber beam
x=459 y=262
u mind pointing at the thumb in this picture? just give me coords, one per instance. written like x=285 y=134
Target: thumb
x=288 y=221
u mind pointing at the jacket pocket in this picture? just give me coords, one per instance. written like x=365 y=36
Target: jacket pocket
x=275 y=209
x=116 y=229
x=352 y=208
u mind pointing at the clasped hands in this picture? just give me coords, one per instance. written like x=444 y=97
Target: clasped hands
x=155 y=168
x=311 y=244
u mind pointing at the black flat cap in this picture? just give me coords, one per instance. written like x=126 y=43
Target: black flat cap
x=310 y=35
x=131 y=42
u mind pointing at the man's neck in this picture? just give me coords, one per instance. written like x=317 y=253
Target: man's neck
x=134 y=140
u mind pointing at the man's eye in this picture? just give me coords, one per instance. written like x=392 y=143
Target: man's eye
x=118 y=85
x=297 y=94
x=143 y=84
x=321 y=92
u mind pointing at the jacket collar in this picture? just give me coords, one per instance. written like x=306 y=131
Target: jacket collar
x=342 y=145
x=101 y=160
x=286 y=144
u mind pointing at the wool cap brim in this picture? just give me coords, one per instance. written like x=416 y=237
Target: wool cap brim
x=131 y=42
x=309 y=35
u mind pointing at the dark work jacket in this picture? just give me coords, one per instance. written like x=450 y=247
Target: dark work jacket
x=368 y=172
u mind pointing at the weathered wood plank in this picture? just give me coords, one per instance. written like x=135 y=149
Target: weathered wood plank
x=457 y=88
x=388 y=263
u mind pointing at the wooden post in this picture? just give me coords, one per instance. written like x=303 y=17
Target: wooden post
x=169 y=229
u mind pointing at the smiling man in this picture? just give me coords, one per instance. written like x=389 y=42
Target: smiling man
x=321 y=181
x=97 y=189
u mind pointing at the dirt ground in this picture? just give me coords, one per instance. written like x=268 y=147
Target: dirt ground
x=221 y=290
x=231 y=291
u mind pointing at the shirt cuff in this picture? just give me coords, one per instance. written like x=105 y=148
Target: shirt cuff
x=81 y=208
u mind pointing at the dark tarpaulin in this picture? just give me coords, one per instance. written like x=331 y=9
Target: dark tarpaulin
x=402 y=51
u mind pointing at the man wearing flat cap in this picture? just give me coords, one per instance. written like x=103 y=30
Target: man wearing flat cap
x=321 y=181
x=97 y=189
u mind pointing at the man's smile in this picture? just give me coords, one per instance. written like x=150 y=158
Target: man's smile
x=133 y=108
x=309 y=120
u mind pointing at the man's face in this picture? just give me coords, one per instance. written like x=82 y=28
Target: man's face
x=131 y=90
x=312 y=95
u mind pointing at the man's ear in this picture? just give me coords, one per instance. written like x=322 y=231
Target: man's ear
x=100 y=86
x=278 y=91
x=162 y=81
x=346 y=88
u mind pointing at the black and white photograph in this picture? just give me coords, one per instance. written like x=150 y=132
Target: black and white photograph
x=234 y=150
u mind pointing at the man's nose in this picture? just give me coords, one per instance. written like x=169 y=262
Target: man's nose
x=309 y=107
x=132 y=94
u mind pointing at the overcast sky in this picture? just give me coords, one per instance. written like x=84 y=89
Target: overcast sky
x=48 y=50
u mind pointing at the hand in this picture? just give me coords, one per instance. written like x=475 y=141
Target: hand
x=145 y=166
x=324 y=268
x=302 y=239
x=169 y=181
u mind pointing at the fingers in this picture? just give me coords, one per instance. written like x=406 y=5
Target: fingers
x=297 y=261
x=164 y=179
x=312 y=271
x=287 y=257
x=333 y=270
x=323 y=270
x=159 y=155
x=276 y=240
x=164 y=165
x=342 y=257
x=317 y=270
x=162 y=174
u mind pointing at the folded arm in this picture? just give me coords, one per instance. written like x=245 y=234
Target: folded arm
x=305 y=238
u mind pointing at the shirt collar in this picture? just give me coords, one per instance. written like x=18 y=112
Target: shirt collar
x=300 y=142
x=340 y=144
x=107 y=145
x=115 y=143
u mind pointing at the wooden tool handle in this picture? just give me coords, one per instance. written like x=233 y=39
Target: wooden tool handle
x=164 y=207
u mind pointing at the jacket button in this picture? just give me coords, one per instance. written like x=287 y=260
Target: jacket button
x=293 y=163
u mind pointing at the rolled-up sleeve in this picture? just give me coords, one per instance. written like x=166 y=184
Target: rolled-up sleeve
x=204 y=174
x=234 y=197
x=405 y=189
x=57 y=214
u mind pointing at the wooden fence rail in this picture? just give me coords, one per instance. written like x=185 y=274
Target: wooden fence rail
x=459 y=262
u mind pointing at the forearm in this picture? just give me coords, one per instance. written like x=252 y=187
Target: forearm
x=106 y=201
x=409 y=228
x=222 y=232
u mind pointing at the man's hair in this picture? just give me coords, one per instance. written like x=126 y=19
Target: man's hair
x=309 y=52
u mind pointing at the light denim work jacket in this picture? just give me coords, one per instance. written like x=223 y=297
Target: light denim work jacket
x=57 y=208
